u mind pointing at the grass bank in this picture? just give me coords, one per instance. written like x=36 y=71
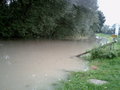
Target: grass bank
x=108 y=36
x=108 y=70
x=103 y=68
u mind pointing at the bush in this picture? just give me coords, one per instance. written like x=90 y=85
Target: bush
x=104 y=53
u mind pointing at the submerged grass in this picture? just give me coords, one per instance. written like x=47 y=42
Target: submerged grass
x=107 y=69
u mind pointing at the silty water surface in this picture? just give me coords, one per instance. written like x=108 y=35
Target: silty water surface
x=35 y=65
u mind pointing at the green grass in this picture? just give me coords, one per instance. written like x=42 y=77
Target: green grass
x=108 y=70
x=103 y=35
x=109 y=37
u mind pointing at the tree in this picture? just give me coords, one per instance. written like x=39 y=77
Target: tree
x=101 y=20
x=48 y=18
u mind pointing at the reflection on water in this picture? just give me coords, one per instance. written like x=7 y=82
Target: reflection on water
x=35 y=65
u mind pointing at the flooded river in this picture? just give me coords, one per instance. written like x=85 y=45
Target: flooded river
x=35 y=65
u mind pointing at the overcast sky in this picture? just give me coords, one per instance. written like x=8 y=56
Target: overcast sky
x=110 y=8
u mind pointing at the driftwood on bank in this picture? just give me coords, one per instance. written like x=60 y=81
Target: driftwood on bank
x=95 y=49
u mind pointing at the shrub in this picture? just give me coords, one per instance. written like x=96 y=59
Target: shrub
x=104 y=53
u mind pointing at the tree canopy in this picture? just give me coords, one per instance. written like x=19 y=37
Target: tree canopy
x=49 y=18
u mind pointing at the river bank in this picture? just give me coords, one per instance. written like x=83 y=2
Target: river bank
x=104 y=66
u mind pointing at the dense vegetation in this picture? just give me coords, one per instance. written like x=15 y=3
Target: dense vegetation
x=49 y=18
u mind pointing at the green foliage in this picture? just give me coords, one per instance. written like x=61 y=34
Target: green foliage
x=108 y=52
x=48 y=18
x=101 y=21
x=103 y=53
x=108 y=70
x=108 y=30
x=30 y=18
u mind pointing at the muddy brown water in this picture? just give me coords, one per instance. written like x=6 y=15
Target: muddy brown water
x=36 y=65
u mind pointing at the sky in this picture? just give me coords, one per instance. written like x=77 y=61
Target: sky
x=110 y=8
